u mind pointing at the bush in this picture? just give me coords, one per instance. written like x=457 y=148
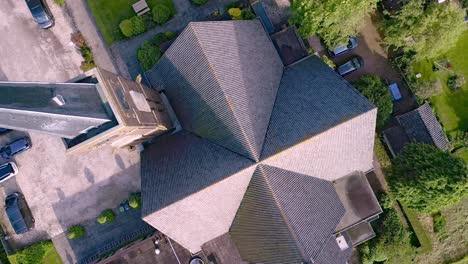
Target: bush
x=138 y=25
x=427 y=89
x=88 y=57
x=135 y=201
x=199 y=2
x=235 y=13
x=328 y=61
x=170 y=35
x=35 y=253
x=455 y=82
x=439 y=223
x=161 y=14
x=76 y=231
x=60 y=2
x=378 y=93
x=159 y=39
x=133 y=26
x=248 y=14
x=106 y=216
x=148 y=55
x=381 y=154
x=126 y=28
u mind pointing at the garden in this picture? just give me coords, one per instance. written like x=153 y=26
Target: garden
x=116 y=19
x=43 y=252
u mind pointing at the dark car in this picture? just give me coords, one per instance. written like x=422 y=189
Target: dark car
x=7 y=171
x=352 y=43
x=4 y=130
x=15 y=148
x=352 y=65
x=18 y=213
x=41 y=13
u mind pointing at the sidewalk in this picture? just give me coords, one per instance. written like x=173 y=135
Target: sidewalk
x=84 y=22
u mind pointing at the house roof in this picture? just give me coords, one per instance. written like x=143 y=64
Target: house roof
x=221 y=79
x=332 y=254
x=303 y=211
x=421 y=125
x=319 y=118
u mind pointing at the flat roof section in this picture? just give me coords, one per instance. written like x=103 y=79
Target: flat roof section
x=357 y=197
x=360 y=233
x=289 y=45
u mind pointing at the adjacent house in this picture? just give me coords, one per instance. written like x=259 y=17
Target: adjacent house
x=420 y=125
x=269 y=164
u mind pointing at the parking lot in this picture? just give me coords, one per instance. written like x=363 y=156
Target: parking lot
x=60 y=190
x=28 y=53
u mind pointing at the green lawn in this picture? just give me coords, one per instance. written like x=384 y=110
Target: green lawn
x=42 y=253
x=109 y=13
x=450 y=107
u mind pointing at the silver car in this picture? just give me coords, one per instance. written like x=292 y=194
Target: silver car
x=352 y=65
x=7 y=171
x=352 y=44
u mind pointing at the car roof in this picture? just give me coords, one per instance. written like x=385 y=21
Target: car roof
x=4 y=170
x=16 y=218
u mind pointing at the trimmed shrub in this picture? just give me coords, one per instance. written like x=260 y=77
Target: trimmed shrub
x=138 y=25
x=235 y=13
x=76 y=231
x=170 y=35
x=148 y=54
x=135 y=201
x=126 y=27
x=199 y=2
x=60 y=2
x=106 y=216
x=161 y=14
x=159 y=39
x=248 y=14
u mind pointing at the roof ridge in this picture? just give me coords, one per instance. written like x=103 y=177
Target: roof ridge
x=250 y=149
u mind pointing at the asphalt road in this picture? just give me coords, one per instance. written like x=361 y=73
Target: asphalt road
x=28 y=53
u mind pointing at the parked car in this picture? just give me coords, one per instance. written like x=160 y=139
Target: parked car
x=352 y=65
x=352 y=43
x=41 y=13
x=15 y=148
x=18 y=213
x=4 y=130
x=7 y=171
x=394 y=91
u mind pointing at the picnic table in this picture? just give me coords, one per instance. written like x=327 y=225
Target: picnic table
x=140 y=7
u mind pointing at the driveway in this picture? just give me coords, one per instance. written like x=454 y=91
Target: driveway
x=376 y=62
x=28 y=53
x=63 y=190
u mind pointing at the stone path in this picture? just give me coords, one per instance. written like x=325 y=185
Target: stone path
x=124 y=52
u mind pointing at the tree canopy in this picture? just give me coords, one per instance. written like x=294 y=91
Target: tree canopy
x=428 y=31
x=428 y=179
x=377 y=92
x=333 y=20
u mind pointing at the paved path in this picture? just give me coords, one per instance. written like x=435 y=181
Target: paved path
x=84 y=22
x=99 y=239
x=124 y=51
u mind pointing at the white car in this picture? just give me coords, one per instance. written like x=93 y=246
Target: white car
x=7 y=171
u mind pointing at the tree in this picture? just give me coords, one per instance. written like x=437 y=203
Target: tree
x=161 y=14
x=333 y=20
x=428 y=179
x=378 y=93
x=427 y=31
x=148 y=55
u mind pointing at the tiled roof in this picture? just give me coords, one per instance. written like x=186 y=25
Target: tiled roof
x=421 y=125
x=285 y=217
x=318 y=121
x=221 y=79
x=332 y=254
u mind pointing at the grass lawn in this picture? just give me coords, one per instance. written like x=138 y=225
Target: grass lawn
x=451 y=107
x=109 y=13
x=49 y=257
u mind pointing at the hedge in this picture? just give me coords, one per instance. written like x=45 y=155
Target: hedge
x=425 y=242
x=106 y=216
x=161 y=14
x=133 y=26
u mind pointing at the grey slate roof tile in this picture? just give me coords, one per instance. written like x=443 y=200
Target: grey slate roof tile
x=332 y=254
x=285 y=217
x=421 y=125
x=221 y=79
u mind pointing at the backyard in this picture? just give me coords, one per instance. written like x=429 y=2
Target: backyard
x=109 y=13
x=450 y=106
